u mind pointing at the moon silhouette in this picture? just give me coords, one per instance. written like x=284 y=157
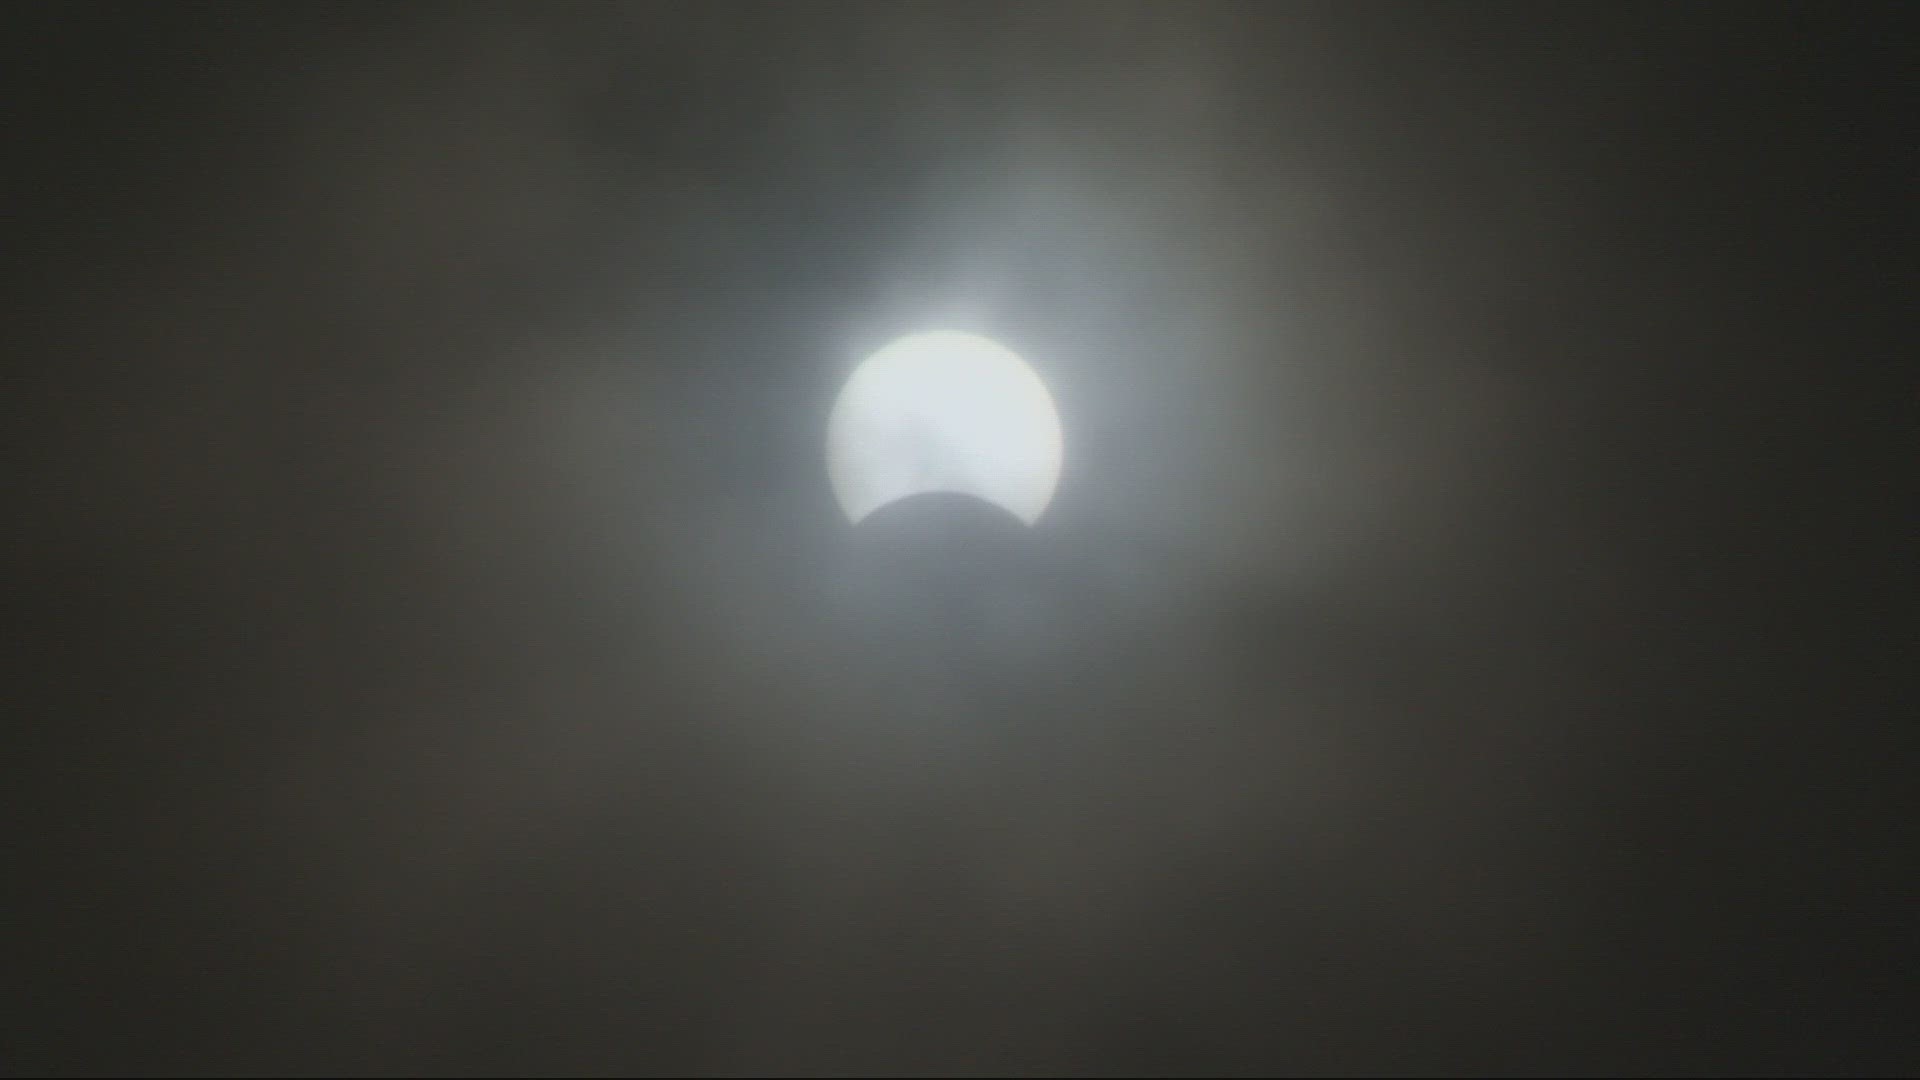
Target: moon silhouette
x=944 y=412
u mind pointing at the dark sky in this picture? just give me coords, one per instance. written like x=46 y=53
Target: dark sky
x=1462 y=641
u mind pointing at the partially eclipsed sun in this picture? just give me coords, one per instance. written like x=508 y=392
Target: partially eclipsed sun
x=944 y=412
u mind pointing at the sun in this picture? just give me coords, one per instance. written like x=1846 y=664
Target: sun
x=944 y=411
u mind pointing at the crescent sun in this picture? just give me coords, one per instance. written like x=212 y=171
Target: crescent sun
x=944 y=412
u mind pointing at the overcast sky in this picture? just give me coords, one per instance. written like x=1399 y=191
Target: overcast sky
x=441 y=651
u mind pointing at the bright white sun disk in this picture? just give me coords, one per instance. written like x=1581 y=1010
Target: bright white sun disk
x=944 y=412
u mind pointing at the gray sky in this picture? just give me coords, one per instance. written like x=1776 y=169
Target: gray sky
x=443 y=653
